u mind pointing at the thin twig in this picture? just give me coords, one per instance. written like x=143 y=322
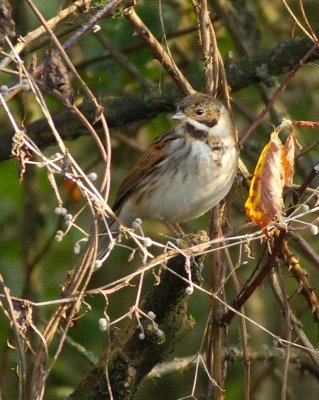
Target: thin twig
x=305 y=248
x=105 y=186
x=284 y=301
x=243 y=324
x=300 y=275
x=297 y=326
x=298 y=23
x=132 y=48
x=20 y=340
x=304 y=16
x=123 y=61
x=265 y=354
x=215 y=333
x=278 y=92
x=158 y=51
x=209 y=57
x=31 y=36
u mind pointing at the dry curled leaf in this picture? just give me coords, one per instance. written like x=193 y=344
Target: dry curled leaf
x=265 y=202
x=56 y=77
x=21 y=151
x=288 y=158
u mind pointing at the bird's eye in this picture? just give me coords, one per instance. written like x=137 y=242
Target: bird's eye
x=199 y=112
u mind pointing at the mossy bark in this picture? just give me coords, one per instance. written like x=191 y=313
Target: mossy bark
x=129 y=359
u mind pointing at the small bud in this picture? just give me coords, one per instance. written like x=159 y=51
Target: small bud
x=159 y=333
x=68 y=223
x=136 y=223
x=96 y=28
x=92 y=176
x=25 y=85
x=57 y=211
x=151 y=315
x=60 y=211
x=305 y=207
x=148 y=242
x=141 y=336
x=189 y=290
x=68 y=217
x=77 y=248
x=58 y=236
x=314 y=229
x=103 y=324
x=4 y=89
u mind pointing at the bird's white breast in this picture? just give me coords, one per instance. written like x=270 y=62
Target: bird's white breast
x=198 y=180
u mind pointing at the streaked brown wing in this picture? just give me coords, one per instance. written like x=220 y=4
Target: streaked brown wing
x=153 y=156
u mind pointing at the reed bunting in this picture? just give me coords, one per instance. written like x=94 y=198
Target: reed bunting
x=186 y=171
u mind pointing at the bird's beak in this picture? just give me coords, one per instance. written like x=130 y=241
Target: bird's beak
x=179 y=115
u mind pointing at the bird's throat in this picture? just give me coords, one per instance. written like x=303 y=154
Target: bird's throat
x=198 y=130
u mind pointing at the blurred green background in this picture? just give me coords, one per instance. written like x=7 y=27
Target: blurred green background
x=28 y=222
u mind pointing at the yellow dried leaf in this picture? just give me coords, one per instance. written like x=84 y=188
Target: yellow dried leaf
x=265 y=202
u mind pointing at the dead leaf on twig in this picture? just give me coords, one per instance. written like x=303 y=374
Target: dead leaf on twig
x=274 y=169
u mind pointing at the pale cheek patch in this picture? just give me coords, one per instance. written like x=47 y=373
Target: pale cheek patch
x=198 y=125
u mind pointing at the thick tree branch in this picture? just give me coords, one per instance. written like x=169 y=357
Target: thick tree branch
x=136 y=107
x=130 y=359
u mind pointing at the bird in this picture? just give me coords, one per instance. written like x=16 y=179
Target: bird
x=185 y=172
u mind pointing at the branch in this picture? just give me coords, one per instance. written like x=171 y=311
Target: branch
x=300 y=275
x=66 y=21
x=158 y=51
x=272 y=257
x=129 y=358
x=140 y=106
x=264 y=354
x=302 y=245
x=39 y=37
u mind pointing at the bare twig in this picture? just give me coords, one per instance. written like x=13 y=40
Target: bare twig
x=30 y=37
x=244 y=335
x=313 y=354
x=211 y=67
x=278 y=92
x=305 y=248
x=284 y=301
x=123 y=61
x=105 y=186
x=215 y=333
x=304 y=16
x=158 y=51
x=300 y=275
x=268 y=354
x=298 y=23
x=20 y=340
